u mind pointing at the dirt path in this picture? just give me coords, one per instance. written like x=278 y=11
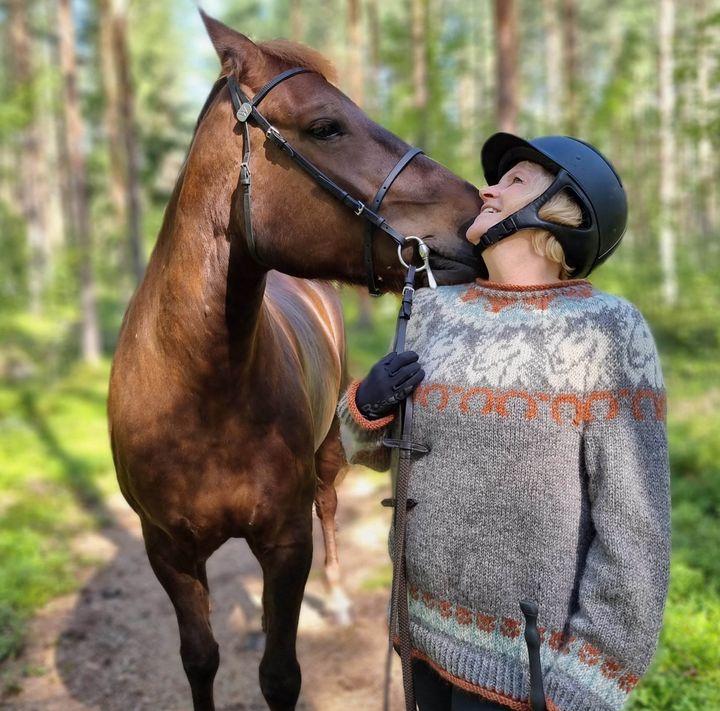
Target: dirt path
x=114 y=645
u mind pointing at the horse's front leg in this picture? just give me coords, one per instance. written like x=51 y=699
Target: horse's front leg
x=285 y=561
x=184 y=578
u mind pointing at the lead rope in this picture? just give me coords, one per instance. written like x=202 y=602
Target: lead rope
x=399 y=611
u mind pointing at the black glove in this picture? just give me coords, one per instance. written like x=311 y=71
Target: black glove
x=389 y=381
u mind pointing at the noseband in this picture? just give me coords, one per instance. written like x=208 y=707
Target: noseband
x=246 y=109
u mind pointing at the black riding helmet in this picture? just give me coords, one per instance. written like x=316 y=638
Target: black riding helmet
x=581 y=170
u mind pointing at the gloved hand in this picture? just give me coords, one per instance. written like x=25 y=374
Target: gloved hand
x=389 y=381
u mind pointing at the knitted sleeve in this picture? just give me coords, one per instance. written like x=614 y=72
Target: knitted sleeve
x=362 y=438
x=623 y=587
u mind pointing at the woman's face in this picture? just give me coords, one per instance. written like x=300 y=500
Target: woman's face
x=518 y=187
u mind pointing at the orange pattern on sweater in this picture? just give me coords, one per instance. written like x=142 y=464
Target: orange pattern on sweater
x=512 y=628
x=497 y=300
x=564 y=408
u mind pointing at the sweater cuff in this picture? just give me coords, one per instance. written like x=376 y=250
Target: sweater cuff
x=358 y=418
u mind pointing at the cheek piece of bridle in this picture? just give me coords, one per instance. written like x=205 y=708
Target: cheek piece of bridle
x=246 y=110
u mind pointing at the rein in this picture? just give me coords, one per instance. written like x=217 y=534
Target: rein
x=399 y=611
x=246 y=110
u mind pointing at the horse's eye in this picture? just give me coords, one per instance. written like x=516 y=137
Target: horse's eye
x=324 y=130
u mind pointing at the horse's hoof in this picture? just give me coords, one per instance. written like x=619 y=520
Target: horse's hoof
x=339 y=609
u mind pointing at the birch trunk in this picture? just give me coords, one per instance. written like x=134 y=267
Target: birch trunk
x=706 y=159
x=667 y=155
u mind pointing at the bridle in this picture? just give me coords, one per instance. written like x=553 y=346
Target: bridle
x=246 y=110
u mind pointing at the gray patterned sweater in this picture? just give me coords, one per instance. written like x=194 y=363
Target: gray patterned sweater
x=548 y=479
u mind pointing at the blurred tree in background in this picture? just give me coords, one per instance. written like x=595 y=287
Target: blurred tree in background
x=98 y=99
x=97 y=122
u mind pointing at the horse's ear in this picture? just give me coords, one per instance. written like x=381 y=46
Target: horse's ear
x=234 y=49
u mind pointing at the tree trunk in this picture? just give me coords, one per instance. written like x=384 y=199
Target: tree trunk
x=468 y=83
x=75 y=141
x=421 y=88
x=296 y=21
x=553 y=67
x=667 y=156
x=572 y=65
x=706 y=160
x=111 y=113
x=32 y=180
x=355 y=67
x=129 y=135
x=374 y=34
x=506 y=28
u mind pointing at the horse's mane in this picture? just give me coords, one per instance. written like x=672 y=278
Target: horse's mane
x=219 y=84
x=298 y=55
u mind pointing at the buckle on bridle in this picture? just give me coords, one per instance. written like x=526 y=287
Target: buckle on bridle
x=360 y=209
x=274 y=134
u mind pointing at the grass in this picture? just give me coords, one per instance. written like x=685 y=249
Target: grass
x=56 y=474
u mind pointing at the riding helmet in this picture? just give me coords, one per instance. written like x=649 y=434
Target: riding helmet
x=580 y=169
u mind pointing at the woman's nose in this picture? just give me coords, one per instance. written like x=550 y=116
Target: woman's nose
x=489 y=191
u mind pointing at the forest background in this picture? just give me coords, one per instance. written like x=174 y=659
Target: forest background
x=98 y=100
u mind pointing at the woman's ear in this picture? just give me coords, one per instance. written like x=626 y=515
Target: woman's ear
x=237 y=53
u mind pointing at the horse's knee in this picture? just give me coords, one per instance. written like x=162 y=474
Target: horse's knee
x=280 y=685
x=200 y=662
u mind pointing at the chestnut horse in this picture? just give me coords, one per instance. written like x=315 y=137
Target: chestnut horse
x=226 y=376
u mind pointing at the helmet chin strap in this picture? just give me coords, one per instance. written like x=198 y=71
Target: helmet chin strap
x=528 y=217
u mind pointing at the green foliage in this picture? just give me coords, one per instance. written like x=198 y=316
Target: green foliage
x=368 y=338
x=685 y=675
x=13 y=266
x=52 y=488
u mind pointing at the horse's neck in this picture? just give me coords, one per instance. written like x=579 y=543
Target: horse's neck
x=208 y=292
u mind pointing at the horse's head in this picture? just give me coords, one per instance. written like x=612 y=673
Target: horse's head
x=301 y=229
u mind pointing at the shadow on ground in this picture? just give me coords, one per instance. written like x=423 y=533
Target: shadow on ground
x=114 y=645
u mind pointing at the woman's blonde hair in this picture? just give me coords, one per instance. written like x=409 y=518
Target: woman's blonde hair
x=560 y=208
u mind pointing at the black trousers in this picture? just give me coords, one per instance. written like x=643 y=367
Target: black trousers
x=433 y=693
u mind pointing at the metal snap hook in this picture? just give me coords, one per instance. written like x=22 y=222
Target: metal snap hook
x=424 y=252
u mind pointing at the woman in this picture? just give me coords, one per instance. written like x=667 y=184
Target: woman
x=547 y=478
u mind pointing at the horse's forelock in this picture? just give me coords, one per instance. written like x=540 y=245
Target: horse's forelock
x=298 y=55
